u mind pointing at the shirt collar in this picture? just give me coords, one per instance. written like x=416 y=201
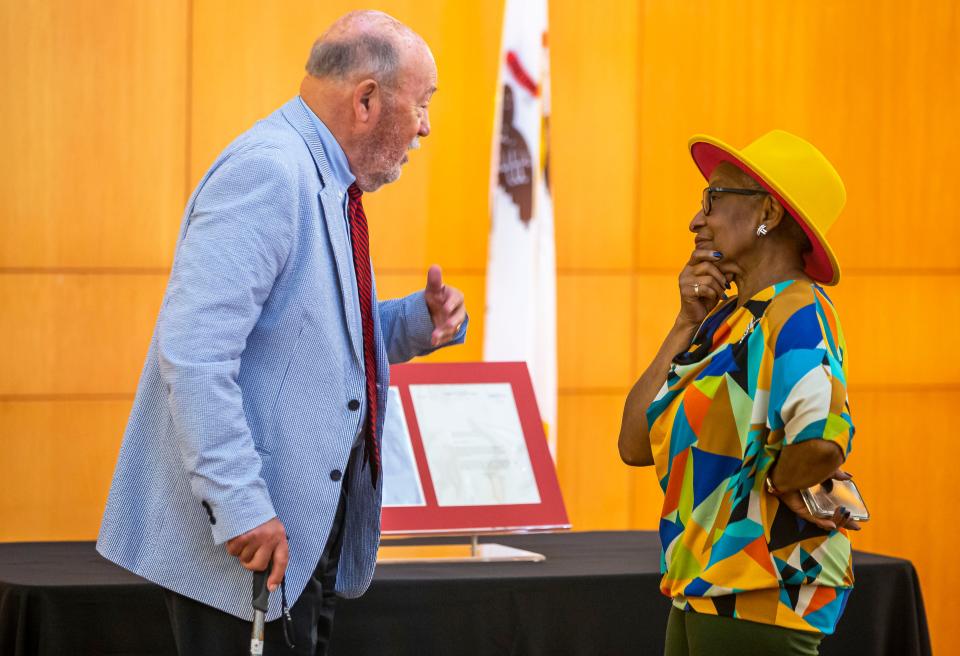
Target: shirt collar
x=342 y=176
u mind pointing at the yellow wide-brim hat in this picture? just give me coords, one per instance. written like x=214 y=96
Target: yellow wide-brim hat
x=797 y=175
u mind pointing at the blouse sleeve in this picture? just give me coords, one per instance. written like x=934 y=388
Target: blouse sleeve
x=808 y=392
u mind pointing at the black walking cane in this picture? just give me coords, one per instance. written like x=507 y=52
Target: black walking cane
x=261 y=598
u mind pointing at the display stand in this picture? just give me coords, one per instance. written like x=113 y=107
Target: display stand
x=464 y=454
x=472 y=552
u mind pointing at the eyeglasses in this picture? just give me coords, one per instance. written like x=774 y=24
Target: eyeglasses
x=707 y=201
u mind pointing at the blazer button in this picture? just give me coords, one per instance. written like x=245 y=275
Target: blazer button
x=354 y=405
x=336 y=475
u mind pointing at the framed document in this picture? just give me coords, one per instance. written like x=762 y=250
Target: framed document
x=464 y=452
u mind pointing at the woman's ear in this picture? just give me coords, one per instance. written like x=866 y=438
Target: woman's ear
x=772 y=213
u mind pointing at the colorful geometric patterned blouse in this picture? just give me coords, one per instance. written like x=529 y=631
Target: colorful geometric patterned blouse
x=755 y=379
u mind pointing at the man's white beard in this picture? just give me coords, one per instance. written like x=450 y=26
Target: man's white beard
x=382 y=173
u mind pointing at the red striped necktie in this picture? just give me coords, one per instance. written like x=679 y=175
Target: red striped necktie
x=361 y=264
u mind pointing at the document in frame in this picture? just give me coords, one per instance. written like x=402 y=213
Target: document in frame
x=474 y=444
x=401 y=480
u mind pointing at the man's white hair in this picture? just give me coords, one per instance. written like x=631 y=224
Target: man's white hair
x=360 y=44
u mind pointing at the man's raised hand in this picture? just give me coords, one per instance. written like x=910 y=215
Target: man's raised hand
x=446 y=307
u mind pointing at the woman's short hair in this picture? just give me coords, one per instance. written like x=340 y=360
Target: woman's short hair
x=794 y=232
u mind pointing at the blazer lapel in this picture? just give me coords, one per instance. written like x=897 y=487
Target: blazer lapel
x=333 y=219
x=343 y=254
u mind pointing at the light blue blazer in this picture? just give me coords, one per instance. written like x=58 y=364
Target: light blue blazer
x=243 y=408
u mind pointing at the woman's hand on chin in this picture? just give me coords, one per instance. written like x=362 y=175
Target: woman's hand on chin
x=702 y=286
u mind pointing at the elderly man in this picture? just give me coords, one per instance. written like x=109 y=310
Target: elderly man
x=254 y=437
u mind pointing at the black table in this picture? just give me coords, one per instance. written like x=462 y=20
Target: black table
x=595 y=594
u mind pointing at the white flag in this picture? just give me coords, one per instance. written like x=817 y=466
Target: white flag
x=521 y=313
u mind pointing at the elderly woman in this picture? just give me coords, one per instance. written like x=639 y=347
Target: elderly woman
x=745 y=404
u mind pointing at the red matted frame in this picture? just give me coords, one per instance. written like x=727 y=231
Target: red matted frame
x=549 y=514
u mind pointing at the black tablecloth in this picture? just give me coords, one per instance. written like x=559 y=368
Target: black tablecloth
x=595 y=594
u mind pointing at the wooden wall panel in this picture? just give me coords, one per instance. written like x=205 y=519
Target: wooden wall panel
x=594 y=130
x=71 y=448
x=466 y=43
x=656 y=303
x=594 y=332
x=904 y=438
x=892 y=323
x=880 y=106
x=588 y=462
x=93 y=169
x=75 y=334
x=248 y=59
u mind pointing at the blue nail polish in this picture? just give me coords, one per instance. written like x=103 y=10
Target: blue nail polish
x=718 y=255
x=728 y=285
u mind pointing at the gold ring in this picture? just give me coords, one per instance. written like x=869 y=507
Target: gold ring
x=696 y=289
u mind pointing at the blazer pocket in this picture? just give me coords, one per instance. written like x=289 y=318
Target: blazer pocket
x=291 y=356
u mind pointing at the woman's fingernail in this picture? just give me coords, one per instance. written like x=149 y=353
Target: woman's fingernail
x=717 y=254
x=728 y=285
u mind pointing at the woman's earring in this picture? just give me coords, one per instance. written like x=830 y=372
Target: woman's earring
x=762 y=230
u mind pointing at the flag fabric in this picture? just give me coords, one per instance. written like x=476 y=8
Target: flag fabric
x=521 y=313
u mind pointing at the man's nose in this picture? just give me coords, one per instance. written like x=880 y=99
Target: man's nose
x=424 y=130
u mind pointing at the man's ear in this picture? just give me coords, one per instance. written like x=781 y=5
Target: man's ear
x=366 y=100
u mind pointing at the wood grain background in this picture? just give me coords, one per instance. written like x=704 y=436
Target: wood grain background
x=113 y=109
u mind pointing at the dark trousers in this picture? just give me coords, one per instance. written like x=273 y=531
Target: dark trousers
x=201 y=630
x=699 y=634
